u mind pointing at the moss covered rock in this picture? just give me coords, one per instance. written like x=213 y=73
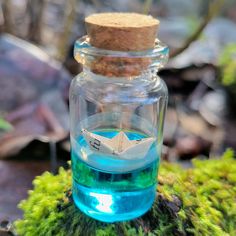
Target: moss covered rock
x=196 y=201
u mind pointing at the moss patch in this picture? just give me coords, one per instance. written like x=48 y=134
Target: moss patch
x=197 y=201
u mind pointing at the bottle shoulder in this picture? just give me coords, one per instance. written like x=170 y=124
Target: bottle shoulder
x=118 y=90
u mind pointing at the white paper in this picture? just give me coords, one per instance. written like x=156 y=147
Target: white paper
x=119 y=146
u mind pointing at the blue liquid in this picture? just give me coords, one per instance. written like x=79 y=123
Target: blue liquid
x=101 y=187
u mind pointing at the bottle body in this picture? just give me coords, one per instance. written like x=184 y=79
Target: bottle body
x=116 y=138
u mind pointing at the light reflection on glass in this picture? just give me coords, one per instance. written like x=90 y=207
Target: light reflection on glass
x=105 y=202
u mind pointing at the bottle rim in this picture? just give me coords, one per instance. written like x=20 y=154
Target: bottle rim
x=83 y=46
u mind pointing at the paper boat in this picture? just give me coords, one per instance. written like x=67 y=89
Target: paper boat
x=119 y=146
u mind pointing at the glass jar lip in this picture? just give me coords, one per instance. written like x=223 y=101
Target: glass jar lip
x=84 y=48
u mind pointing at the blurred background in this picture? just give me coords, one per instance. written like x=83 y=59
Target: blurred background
x=37 y=65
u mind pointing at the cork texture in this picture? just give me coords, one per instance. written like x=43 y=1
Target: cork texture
x=122 y=31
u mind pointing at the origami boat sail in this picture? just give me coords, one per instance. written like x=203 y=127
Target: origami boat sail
x=119 y=146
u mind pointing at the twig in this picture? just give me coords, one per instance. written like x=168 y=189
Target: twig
x=96 y=3
x=70 y=14
x=53 y=156
x=147 y=6
x=213 y=10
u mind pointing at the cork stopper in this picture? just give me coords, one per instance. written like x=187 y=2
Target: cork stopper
x=122 y=31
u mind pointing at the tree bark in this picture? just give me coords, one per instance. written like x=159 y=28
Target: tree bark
x=7 y=17
x=35 y=10
x=70 y=14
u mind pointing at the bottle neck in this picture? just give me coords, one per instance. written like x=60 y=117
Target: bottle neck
x=132 y=65
x=116 y=66
x=146 y=78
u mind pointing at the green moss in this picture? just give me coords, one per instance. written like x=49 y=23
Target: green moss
x=227 y=63
x=197 y=201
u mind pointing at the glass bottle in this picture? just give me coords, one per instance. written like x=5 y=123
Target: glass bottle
x=117 y=109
